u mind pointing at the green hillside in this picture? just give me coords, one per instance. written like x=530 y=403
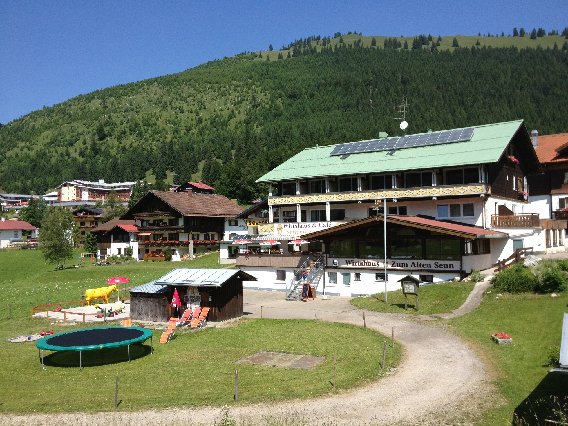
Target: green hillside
x=229 y=121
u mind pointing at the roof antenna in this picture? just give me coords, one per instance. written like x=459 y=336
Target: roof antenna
x=401 y=110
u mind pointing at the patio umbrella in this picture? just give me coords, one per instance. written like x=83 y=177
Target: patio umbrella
x=299 y=242
x=176 y=302
x=269 y=243
x=117 y=280
x=240 y=242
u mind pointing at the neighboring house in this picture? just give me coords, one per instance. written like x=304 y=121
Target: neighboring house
x=12 y=231
x=456 y=201
x=87 y=219
x=197 y=187
x=238 y=229
x=549 y=190
x=50 y=198
x=14 y=201
x=85 y=191
x=116 y=238
x=187 y=222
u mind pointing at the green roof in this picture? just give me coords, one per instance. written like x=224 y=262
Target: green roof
x=486 y=146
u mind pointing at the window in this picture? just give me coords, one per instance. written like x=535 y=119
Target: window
x=174 y=236
x=343 y=248
x=357 y=276
x=332 y=277
x=468 y=209
x=371 y=249
x=280 y=275
x=455 y=210
x=380 y=182
x=233 y=222
x=563 y=203
x=119 y=251
x=317 y=186
x=379 y=276
x=317 y=216
x=173 y=222
x=288 y=188
x=426 y=278
x=395 y=210
x=289 y=216
x=158 y=237
x=337 y=214
x=348 y=184
x=477 y=247
x=346 y=278
x=16 y=234
x=461 y=176
x=417 y=179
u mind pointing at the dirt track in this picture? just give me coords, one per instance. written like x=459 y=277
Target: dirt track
x=440 y=381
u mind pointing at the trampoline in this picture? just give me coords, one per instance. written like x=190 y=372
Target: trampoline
x=89 y=339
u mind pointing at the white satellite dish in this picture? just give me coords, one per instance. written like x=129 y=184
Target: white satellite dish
x=403 y=125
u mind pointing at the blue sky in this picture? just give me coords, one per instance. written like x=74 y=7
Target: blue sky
x=54 y=50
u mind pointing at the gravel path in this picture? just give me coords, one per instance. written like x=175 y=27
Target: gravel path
x=440 y=380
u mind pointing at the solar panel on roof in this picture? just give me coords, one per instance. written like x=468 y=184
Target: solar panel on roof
x=411 y=141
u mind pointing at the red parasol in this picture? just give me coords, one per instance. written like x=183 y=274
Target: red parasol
x=118 y=280
x=176 y=302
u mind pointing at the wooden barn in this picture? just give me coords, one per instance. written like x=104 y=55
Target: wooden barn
x=221 y=290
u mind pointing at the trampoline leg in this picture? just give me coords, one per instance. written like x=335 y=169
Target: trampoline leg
x=81 y=359
x=151 y=345
x=41 y=359
x=128 y=353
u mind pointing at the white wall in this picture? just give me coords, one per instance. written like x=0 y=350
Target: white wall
x=541 y=204
x=477 y=262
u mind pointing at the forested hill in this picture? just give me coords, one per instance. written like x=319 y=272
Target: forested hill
x=231 y=120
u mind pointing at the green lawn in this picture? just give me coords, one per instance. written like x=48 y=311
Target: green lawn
x=196 y=368
x=434 y=299
x=534 y=322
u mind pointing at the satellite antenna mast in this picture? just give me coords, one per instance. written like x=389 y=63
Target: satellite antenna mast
x=402 y=109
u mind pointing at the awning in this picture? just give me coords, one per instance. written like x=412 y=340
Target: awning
x=269 y=243
x=241 y=242
x=144 y=234
x=298 y=242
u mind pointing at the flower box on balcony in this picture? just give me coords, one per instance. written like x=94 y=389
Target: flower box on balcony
x=502 y=338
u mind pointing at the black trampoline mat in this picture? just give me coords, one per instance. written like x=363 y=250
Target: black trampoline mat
x=98 y=336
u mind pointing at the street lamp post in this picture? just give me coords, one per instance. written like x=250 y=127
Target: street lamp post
x=385 y=243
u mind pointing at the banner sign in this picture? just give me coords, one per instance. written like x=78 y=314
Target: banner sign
x=294 y=229
x=399 y=264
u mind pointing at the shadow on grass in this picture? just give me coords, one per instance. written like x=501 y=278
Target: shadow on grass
x=546 y=404
x=408 y=305
x=96 y=358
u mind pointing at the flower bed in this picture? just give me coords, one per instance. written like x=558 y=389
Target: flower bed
x=502 y=338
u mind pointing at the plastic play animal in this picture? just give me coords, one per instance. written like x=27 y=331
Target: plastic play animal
x=99 y=293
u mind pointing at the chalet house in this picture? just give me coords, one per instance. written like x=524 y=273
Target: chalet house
x=117 y=237
x=455 y=201
x=12 y=231
x=14 y=201
x=187 y=222
x=87 y=219
x=549 y=190
x=85 y=191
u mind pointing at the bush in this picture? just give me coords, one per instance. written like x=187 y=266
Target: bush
x=551 y=278
x=168 y=254
x=515 y=279
x=553 y=358
x=475 y=276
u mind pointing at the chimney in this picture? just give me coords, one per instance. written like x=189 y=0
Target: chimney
x=534 y=138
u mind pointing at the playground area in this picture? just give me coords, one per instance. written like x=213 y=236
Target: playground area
x=101 y=312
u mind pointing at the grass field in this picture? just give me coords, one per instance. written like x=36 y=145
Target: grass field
x=195 y=368
x=534 y=322
x=434 y=299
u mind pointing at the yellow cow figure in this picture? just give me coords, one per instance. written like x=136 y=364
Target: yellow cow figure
x=99 y=293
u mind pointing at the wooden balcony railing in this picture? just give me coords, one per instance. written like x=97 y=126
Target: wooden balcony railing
x=560 y=215
x=529 y=220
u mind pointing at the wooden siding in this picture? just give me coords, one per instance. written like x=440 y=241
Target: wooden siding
x=148 y=307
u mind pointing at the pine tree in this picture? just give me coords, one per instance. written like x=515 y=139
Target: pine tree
x=373 y=42
x=270 y=48
x=90 y=244
x=515 y=32
x=533 y=34
x=455 y=42
x=522 y=32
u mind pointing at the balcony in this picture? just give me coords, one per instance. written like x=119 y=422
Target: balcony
x=560 y=214
x=530 y=220
x=371 y=195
